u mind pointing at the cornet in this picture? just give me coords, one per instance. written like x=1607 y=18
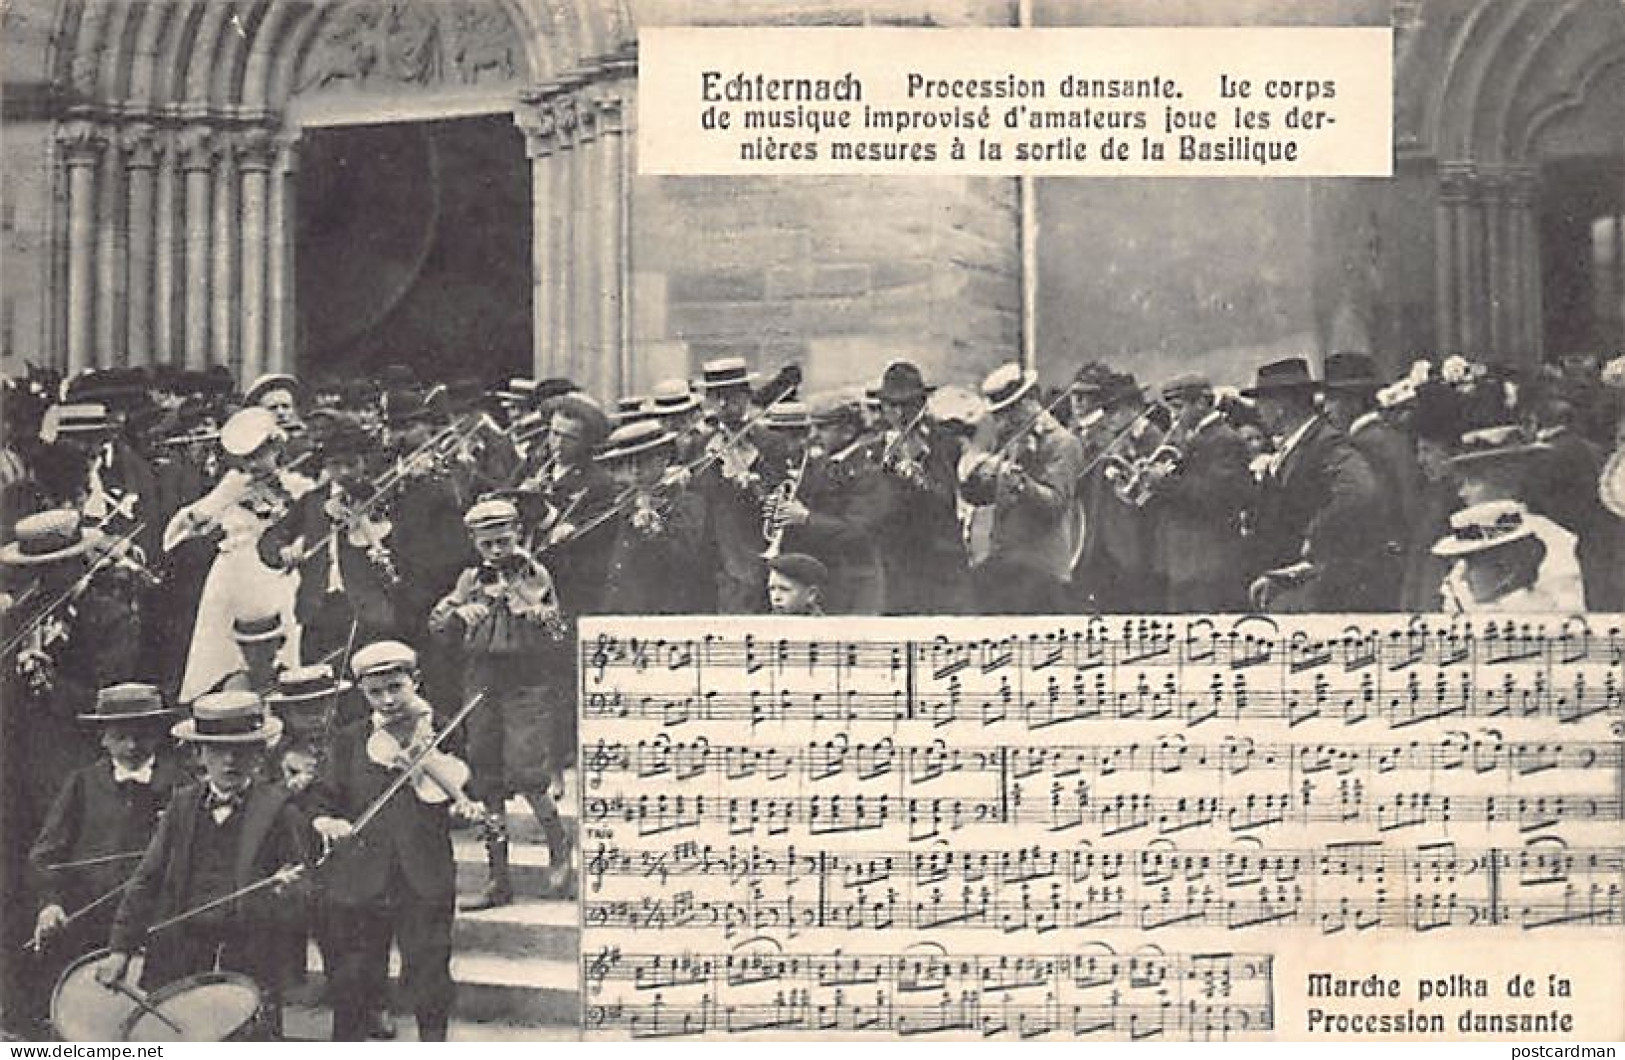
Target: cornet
x=773 y=524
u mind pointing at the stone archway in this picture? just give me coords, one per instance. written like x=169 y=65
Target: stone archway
x=179 y=124
x=1516 y=77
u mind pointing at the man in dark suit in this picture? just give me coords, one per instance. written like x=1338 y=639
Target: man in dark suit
x=922 y=547
x=662 y=561
x=570 y=492
x=1322 y=524
x=217 y=837
x=1351 y=385
x=397 y=879
x=347 y=576
x=844 y=504
x=1199 y=490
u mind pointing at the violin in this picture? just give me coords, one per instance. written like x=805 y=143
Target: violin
x=438 y=778
x=366 y=531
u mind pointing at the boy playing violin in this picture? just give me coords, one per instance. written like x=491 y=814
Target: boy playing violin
x=396 y=878
x=507 y=618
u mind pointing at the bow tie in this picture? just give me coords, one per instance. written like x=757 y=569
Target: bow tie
x=222 y=805
x=142 y=775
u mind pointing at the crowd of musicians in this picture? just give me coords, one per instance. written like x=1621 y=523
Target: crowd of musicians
x=352 y=606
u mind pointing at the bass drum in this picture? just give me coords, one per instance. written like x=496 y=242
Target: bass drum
x=212 y=1007
x=83 y=1010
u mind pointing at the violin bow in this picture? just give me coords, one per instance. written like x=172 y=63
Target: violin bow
x=73 y=591
x=405 y=775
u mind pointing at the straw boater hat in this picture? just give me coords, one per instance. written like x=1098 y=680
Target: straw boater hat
x=1282 y=377
x=1006 y=385
x=788 y=416
x=247 y=430
x=631 y=409
x=1185 y=384
x=85 y=417
x=1483 y=527
x=835 y=408
x=634 y=439
x=725 y=372
x=306 y=684
x=255 y=629
x=49 y=537
x=130 y=701
x=229 y=717
x=268 y=382
x=383 y=657
x=672 y=397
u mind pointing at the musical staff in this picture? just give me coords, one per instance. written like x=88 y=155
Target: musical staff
x=755 y=794
x=1102 y=994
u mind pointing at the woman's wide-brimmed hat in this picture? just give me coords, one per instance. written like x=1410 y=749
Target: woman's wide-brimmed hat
x=49 y=537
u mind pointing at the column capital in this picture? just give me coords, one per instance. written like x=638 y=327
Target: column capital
x=257 y=148
x=140 y=144
x=81 y=142
x=537 y=119
x=610 y=103
x=1457 y=182
x=197 y=147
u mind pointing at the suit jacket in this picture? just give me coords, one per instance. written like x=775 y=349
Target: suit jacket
x=1393 y=458
x=1039 y=527
x=1324 y=504
x=734 y=512
x=430 y=547
x=92 y=817
x=921 y=544
x=1196 y=514
x=408 y=835
x=581 y=494
x=364 y=586
x=849 y=501
x=668 y=572
x=273 y=834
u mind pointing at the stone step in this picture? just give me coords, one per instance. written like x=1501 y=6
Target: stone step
x=314 y=1023
x=491 y=988
x=527 y=865
x=528 y=929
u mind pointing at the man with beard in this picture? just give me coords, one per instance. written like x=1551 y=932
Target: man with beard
x=922 y=549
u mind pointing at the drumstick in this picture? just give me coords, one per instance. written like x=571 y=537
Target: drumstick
x=119 y=986
x=36 y=944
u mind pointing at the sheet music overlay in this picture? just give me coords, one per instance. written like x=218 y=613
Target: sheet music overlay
x=1187 y=828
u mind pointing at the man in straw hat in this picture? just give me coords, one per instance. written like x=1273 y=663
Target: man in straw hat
x=662 y=559
x=1497 y=564
x=1321 y=529
x=103 y=814
x=1029 y=477
x=843 y=505
x=219 y=836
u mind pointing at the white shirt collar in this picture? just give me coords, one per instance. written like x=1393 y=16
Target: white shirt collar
x=1291 y=443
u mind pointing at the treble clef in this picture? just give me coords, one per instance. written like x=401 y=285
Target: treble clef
x=599 y=968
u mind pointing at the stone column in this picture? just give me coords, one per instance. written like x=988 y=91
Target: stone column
x=279 y=270
x=197 y=162
x=139 y=144
x=258 y=155
x=1496 y=287
x=535 y=120
x=82 y=144
x=561 y=220
x=1530 y=329
x=111 y=257
x=597 y=371
x=1454 y=181
x=226 y=246
x=614 y=189
x=167 y=245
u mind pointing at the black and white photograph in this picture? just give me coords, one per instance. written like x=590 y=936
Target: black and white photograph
x=351 y=362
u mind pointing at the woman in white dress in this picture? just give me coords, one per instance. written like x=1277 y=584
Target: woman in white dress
x=253 y=493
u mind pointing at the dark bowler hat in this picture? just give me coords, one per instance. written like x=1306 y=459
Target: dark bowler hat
x=345 y=438
x=725 y=372
x=1352 y=371
x=252 y=629
x=901 y=383
x=130 y=701
x=48 y=537
x=302 y=684
x=228 y=717
x=801 y=569
x=1288 y=376
x=1187 y=383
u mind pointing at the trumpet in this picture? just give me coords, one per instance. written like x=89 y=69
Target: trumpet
x=773 y=524
x=1120 y=467
x=1139 y=484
